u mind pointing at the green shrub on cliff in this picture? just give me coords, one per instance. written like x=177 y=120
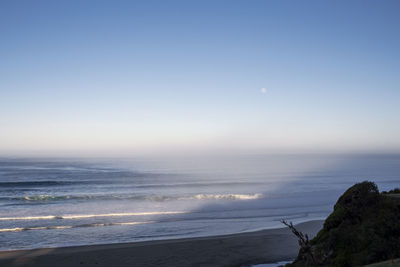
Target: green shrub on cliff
x=363 y=228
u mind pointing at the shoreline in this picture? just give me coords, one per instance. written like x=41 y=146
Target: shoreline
x=263 y=246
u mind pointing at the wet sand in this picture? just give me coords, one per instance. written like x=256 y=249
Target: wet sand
x=264 y=246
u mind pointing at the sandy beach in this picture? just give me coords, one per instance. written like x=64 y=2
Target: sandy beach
x=264 y=246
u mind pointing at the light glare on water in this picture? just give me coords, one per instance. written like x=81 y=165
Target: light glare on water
x=50 y=203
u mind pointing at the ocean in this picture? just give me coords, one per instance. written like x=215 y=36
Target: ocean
x=67 y=202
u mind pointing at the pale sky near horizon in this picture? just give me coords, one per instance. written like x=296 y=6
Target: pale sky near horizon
x=139 y=76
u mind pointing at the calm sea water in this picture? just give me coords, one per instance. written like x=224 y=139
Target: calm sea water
x=64 y=202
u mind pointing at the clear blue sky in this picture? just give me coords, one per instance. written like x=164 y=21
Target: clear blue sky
x=130 y=76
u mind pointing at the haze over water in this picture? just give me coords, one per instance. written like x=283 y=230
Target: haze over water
x=63 y=202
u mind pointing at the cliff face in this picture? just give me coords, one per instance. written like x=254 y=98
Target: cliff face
x=363 y=228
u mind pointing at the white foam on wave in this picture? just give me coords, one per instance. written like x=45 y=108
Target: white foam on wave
x=43 y=198
x=40 y=198
x=19 y=229
x=228 y=196
x=85 y=216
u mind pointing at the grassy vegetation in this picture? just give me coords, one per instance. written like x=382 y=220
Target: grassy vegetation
x=364 y=228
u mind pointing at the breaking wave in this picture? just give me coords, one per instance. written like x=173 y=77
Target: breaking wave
x=60 y=227
x=228 y=196
x=86 y=216
x=48 y=198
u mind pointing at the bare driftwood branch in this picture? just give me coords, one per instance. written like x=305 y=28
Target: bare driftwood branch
x=304 y=242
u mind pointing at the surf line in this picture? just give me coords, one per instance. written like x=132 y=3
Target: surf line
x=85 y=216
x=19 y=229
